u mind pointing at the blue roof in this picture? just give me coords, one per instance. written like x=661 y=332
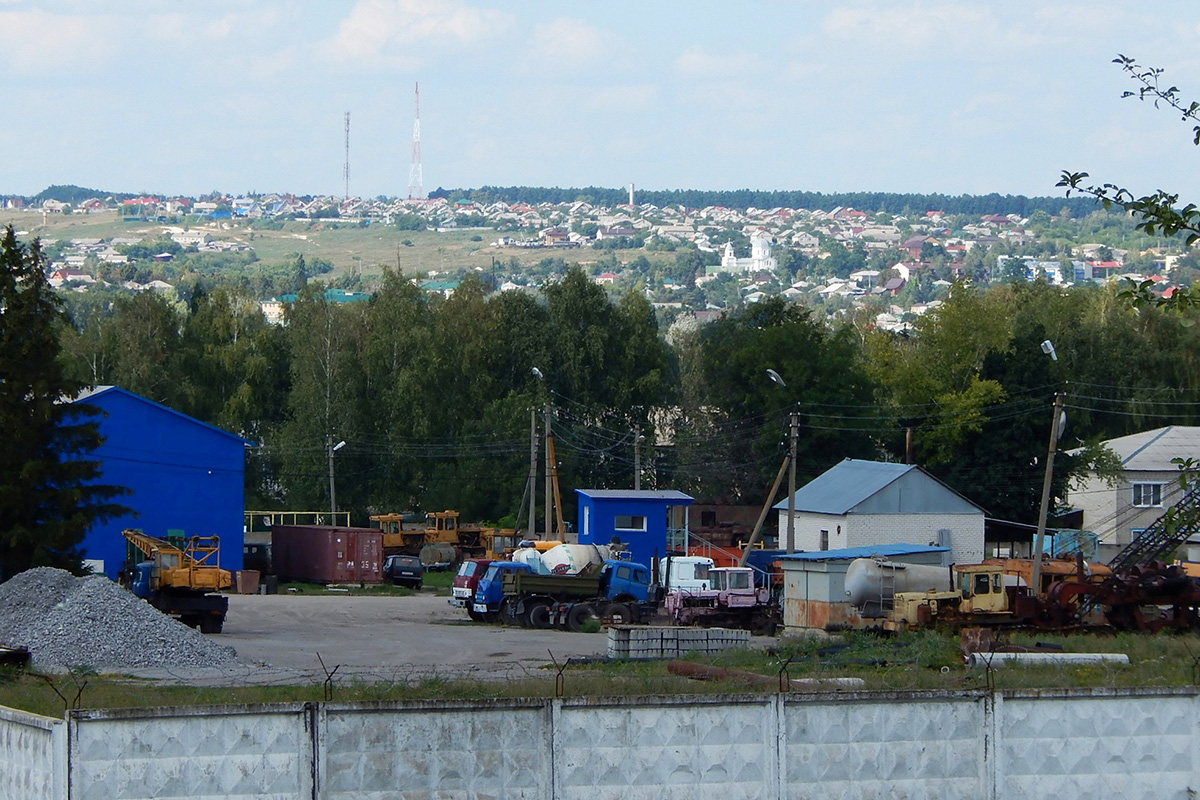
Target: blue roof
x=90 y=395
x=850 y=553
x=845 y=485
x=849 y=484
x=636 y=494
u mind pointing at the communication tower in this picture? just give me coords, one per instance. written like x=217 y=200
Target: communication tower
x=346 y=165
x=415 y=191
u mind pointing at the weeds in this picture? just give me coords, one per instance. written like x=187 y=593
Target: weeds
x=919 y=661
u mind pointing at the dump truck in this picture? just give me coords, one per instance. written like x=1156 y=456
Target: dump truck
x=618 y=591
x=180 y=579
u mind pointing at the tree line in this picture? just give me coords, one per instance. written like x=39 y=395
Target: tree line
x=742 y=199
x=435 y=397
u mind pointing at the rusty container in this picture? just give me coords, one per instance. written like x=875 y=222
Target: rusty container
x=327 y=554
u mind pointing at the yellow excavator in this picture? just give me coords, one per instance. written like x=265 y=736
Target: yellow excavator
x=180 y=579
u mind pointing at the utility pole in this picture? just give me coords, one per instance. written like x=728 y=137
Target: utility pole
x=791 y=526
x=637 y=457
x=549 y=472
x=533 y=473
x=1036 y=578
x=330 y=449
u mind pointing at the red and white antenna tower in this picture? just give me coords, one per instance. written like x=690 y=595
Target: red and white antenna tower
x=346 y=165
x=415 y=191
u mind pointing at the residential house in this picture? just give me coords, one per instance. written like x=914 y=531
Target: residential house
x=1148 y=485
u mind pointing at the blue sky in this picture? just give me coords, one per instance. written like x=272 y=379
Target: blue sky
x=859 y=95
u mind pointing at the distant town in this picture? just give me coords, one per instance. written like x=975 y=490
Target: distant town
x=690 y=262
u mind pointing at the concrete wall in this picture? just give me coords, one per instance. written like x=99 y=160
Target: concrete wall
x=864 y=530
x=914 y=745
x=966 y=532
x=32 y=756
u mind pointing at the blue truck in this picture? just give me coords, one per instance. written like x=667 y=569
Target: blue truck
x=618 y=591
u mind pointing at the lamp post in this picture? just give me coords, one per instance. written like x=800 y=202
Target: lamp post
x=1056 y=429
x=332 y=448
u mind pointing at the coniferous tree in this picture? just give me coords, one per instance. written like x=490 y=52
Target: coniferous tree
x=48 y=497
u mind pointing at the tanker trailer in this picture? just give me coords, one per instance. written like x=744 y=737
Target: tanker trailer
x=871 y=583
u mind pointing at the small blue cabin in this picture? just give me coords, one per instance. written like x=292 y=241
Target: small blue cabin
x=649 y=523
x=186 y=477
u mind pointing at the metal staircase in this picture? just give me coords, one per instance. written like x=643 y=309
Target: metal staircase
x=1164 y=535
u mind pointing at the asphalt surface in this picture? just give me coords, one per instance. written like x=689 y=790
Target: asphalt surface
x=284 y=638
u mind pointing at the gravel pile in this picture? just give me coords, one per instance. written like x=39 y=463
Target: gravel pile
x=92 y=622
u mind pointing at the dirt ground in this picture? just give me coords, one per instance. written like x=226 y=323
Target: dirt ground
x=284 y=638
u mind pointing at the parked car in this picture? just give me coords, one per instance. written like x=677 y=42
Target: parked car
x=404 y=571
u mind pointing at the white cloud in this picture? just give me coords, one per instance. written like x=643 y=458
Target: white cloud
x=573 y=43
x=927 y=29
x=695 y=62
x=36 y=42
x=386 y=32
x=631 y=98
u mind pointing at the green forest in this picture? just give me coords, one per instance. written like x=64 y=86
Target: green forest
x=434 y=396
x=742 y=199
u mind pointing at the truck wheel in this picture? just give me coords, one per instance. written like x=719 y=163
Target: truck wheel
x=579 y=615
x=618 y=614
x=539 y=616
x=507 y=615
x=211 y=624
x=474 y=615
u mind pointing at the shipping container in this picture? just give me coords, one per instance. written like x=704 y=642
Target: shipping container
x=327 y=554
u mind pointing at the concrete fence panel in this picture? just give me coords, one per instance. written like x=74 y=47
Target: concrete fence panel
x=32 y=756
x=261 y=752
x=686 y=748
x=480 y=749
x=900 y=747
x=1115 y=743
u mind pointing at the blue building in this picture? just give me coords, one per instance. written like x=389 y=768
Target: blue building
x=185 y=477
x=649 y=523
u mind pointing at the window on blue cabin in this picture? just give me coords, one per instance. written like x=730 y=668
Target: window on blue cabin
x=629 y=522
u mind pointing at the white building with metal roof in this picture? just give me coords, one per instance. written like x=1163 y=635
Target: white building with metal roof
x=867 y=503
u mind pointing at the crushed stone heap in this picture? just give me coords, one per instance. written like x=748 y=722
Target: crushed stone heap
x=92 y=622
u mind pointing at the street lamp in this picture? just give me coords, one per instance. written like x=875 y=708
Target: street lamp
x=332 y=448
x=1056 y=431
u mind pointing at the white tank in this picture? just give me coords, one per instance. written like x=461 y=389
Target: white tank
x=570 y=559
x=871 y=582
x=532 y=557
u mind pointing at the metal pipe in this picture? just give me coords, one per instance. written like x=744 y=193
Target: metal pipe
x=994 y=660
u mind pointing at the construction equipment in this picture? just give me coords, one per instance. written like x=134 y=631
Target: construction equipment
x=732 y=600
x=440 y=540
x=180 y=580
x=1146 y=598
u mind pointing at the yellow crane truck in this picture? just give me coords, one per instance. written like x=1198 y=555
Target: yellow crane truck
x=180 y=579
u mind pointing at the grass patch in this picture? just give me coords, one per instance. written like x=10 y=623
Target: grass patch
x=917 y=661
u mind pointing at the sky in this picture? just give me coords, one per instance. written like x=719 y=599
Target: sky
x=927 y=96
